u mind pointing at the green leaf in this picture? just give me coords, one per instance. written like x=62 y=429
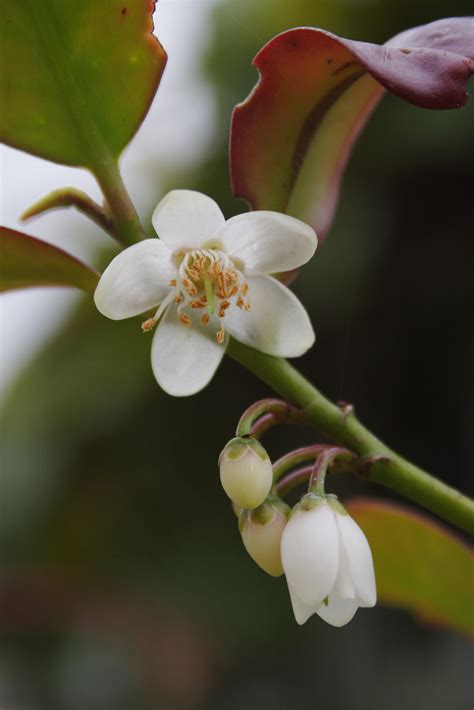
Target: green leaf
x=26 y=261
x=292 y=137
x=419 y=564
x=78 y=76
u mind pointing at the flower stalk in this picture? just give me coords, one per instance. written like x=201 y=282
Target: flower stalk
x=292 y=480
x=328 y=457
x=266 y=413
x=127 y=228
x=289 y=474
x=382 y=465
x=295 y=458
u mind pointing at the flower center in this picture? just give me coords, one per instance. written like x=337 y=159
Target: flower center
x=207 y=279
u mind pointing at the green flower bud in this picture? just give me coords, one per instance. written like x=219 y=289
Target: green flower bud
x=261 y=531
x=246 y=472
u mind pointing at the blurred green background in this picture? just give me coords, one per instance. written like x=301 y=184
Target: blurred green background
x=124 y=583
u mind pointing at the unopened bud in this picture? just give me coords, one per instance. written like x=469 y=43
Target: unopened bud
x=261 y=531
x=246 y=472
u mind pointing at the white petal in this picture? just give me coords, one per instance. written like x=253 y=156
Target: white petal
x=277 y=323
x=301 y=610
x=135 y=280
x=309 y=553
x=338 y=612
x=186 y=220
x=343 y=587
x=268 y=241
x=184 y=359
x=360 y=560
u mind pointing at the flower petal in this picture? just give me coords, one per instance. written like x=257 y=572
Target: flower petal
x=360 y=560
x=309 y=553
x=184 y=359
x=338 y=612
x=135 y=280
x=343 y=586
x=185 y=219
x=301 y=610
x=268 y=241
x=277 y=323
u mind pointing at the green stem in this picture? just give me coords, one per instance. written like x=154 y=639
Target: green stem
x=71 y=197
x=127 y=226
x=382 y=464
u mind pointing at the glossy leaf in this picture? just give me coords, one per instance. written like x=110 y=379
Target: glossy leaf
x=292 y=137
x=26 y=261
x=419 y=564
x=78 y=76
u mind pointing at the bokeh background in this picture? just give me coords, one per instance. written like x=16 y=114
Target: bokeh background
x=124 y=584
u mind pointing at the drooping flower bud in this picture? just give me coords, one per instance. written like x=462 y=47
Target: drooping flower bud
x=327 y=561
x=246 y=472
x=261 y=531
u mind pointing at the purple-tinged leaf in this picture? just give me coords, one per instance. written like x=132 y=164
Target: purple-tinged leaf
x=292 y=137
x=26 y=261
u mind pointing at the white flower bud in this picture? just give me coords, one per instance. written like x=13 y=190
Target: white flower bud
x=246 y=472
x=261 y=531
x=327 y=562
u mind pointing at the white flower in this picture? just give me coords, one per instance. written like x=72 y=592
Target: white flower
x=327 y=562
x=246 y=472
x=261 y=532
x=209 y=279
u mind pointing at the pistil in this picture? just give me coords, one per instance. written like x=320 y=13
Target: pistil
x=209 y=291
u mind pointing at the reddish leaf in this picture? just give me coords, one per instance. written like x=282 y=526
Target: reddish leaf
x=26 y=261
x=419 y=564
x=292 y=137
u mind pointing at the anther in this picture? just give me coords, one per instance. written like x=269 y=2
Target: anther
x=224 y=306
x=148 y=324
x=184 y=319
